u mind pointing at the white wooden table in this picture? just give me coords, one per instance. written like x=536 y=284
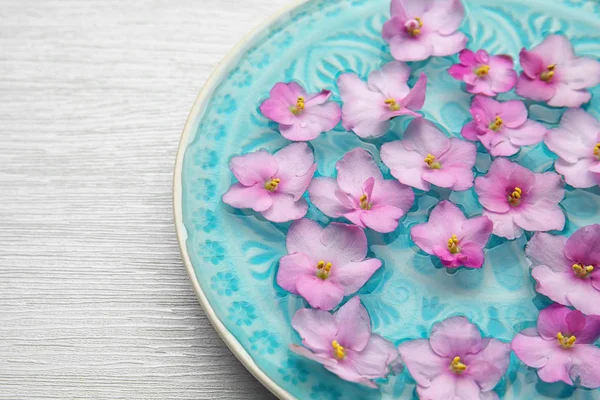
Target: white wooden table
x=94 y=300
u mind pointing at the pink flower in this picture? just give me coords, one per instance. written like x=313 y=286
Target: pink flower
x=456 y=362
x=562 y=348
x=273 y=184
x=368 y=107
x=552 y=73
x=567 y=270
x=324 y=265
x=426 y=156
x=502 y=128
x=577 y=143
x=485 y=74
x=361 y=195
x=343 y=343
x=301 y=116
x=516 y=199
x=456 y=240
x=419 y=29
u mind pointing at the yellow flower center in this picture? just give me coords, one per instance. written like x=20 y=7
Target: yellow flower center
x=566 y=342
x=323 y=269
x=392 y=104
x=413 y=26
x=364 y=202
x=457 y=367
x=515 y=197
x=597 y=151
x=430 y=160
x=338 y=350
x=482 y=70
x=497 y=124
x=271 y=185
x=453 y=245
x=582 y=271
x=299 y=107
x=547 y=75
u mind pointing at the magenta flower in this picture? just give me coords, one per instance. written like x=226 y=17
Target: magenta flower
x=361 y=195
x=562 y=347
x=419 y=29
x=552 y=73
x=577 y=143
x=456 y=362
x=456 y=240
x=502 y=128
x=426 y=156
x=273 y=184
x=325 y=264
x=516 y=199
x=301 y=116
x=485 y=74
x=368 y=107
x=343 y=343
x=567 y=270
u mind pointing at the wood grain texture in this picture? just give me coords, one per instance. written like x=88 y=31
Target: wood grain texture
x=94 y=299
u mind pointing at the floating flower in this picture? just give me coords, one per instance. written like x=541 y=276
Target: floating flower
x=426 y=156
x=485 y=74
x=562 y=347
x=343 y=343
x=552 y=73
x=301 y=116
x=516 y=199
x=273 y=184
x=361 y=195
x=368 y=107
x=502 y=127
x=456 y=362
x=419 y=29
x=577 y=143
x=456 y=240
x=568 y=270
x=325 y=264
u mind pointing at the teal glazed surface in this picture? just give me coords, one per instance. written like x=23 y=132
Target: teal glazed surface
x=235 y=253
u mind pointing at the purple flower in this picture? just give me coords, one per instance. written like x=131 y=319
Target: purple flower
x=325 y=264
x=361 y=195
x=343 y=343
x=562 y=347
x=567 y=270
x=485 y=74
x=273 y=184
x=577 y=143
x=552 y=73
x=426 y=156
x=502 y=127
x=419 y=29
x=368 y=107
x=456 y=362
x=301 y=116
x=456 y=240
x=516 y=199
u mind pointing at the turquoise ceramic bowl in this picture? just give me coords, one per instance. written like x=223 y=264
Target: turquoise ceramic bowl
x=232 y=255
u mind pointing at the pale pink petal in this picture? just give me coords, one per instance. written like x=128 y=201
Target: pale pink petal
x=533 y=351
x=548 y=250
x=492 y=187
x=485 y=108
x=469 y=131
x=422 y=362
x=472 y=255
x=353 y=275
x=513 y=113
x=485 y=374
x=304 y=236
x=502 y=77
x=326 y=116
x=585 y=366
x=317 y=329
x=554 y=284
x=444 y=16
x=354 y=325
x=424 y=137
x=445 y=220
x=548 y=186
x=294 y=160
x=285 y=208
x=552 y=320
x=374 y=360
x=581 y=73
x=477 y=230
x=390 y=80
x=449 y=386
x=585 y=297
x=447 y=45
x=297 y=185
x=410 y=8
x=577 y=134
x=534 y=89
x=565 y=96
x=291 y=267
x=345 y=243
x=504 y=225
x=346 y=371
x=321 y=358
x=392 y=193
x=323 y=195
x=531 y=63
x=455 y=336
x=528 y=134
x=354 y=169
x=458 y=160
x=554 y=50
x=479 y=86
x=393 y=27
x=405 y=165
x=382 y=218
x=557 y=368
x=252 y=168
x=405 y=48
x=255 y=197
x=354 y=216
x=362 y=109
x=371 y=128
x=578 y=174
x=415 y=98
x=584 y=245
x=499 y=144
x=322 y=294
x=543 y=215
x=282 y=97
x=496 y=355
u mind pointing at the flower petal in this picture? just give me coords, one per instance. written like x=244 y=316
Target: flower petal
x=504 y=225
x=447 y=45
x=291 y=267
x=585 y=366
x=548 y=250
x=374 y=360
x=473 y=256
x=528 y=134
x=322 y=294
x=354 y=325
x=344 y=243
x=392 y=193
x=565 y=96
x=317 y=329
x=424 y=137
x=577 y=133
x=552 y=320
x=353 y=275
x=362 y=107
x=477 y=230
x=488 y=366
x=544 y=215
x=584 y=245
x=306 y=353
x=415 y=98
x=534 y=89
x=492 y=187
x=590 y=331
x=390 y=80
x=382 y=218
x=304 y=236
x=555 y=49
x=404 y=48
x=252 y=168
x=282 y=97
x=405 y=165
x=254 y=197
x=354 y=169
x=421 y=361
x=581 y=73
x=554 y=284
x=578 y=174
x=323 y=195
x=294 y=160
x=285 y=208
x=458 y=160
x=533 y=351
x=455 y=336
x=444 y=16
x=531 y=62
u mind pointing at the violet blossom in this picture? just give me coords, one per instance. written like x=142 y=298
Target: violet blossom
x=325 y=264
x=361 y=195
x=485 y=74
x=273 y=184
